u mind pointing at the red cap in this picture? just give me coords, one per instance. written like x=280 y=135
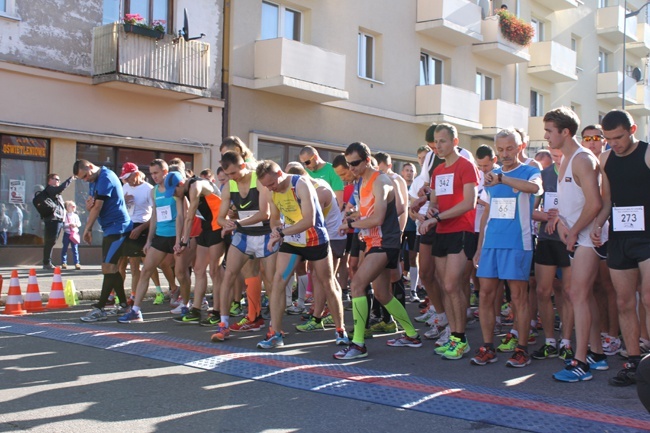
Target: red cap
x=127 y=169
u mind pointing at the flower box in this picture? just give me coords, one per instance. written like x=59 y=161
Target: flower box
x=143 y=31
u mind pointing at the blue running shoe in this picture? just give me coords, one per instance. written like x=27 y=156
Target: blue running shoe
x=596 y=365
x=272 y=340
x=131 y=317
x=574 y=372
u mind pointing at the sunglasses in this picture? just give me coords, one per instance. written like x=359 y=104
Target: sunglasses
x=589 y=138
x=355 y=163
x=308 y=162
x=57 y=179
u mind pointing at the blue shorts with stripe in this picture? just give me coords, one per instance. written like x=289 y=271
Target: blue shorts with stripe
x=112 y=246
x=253 y=246
x=505 y=264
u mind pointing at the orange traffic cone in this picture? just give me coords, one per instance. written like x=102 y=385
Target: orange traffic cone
x=14 y=298
x=57 y=297
x=33 y=301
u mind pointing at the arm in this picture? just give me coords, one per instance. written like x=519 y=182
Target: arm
x=606 y=198
x=481 y=234
x=93 y=214
x=223 y=219
x=187 y=217
x=56 y=190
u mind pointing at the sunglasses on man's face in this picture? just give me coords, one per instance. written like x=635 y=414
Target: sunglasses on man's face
x=589 y=138
x=355 y=163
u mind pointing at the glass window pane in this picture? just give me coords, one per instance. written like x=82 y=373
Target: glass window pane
x=423 y=69
x=362 y=55
x=140 y=7
x=292 y=25
x=140 y=157
x=161 y=12
x=3 y=5
x=437 y=67
x=488 y=88
x=273 y=151
x=186 y=158
x=111 y=11
x=269 y=21
x=369 y=61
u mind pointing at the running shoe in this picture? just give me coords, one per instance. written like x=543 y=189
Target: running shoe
x=443 y=347
x=426 y=316
x=644 y=348
x=245 y=325
x=575 y=371
x=424 y=305
x=508 y=320
x=311 y=325
x=180 y=309
x=434 y=332
x=473 y=299
x=508 y=343
x=484 y=355
x=118 y=310
x=272 y=340
x=160 y=298
x=222 y=333
x=383 y=327
x=235 y=309
x=624 y=377
x=521 y=358
x=437 y=319
x=205 y=305
x=414 y=297
x=405 y=341
x=77 y=266
x=367 y=334
x=498 y=328
x=95 y=315
x=192 y=316
x=342 y=338
x=611 y=346
x=212 y=319
x=131 y=317
x=456 y=349
x=353 y=351
x=545 y=352
x=566 y=353
x=266 y=313
x=532 y=337
x=596 y=365
x=444 y=337
x=328 y=321
x=264 y=301
x=64 y=266
x=506 y=310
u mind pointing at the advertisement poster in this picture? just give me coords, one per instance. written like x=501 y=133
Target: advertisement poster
x=16 y=191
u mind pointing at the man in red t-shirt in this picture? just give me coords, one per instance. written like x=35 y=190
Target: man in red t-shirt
x=452 y=210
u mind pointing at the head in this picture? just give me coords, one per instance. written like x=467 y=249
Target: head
x=342 y=169
x=129 y=170
x=158 y=169
x=295 y=168
x=70 y=206
x=53 y=179
x=619 y=129
x=233 y=165
x=174 y=184
x=269 y=174
x=560 y=126
x=309 y=157
x=508 y=144
x=222 y=177
x=177 y=162
x=593 y=138
x=544 y=157
x=428 y=136
x=235 y=144
x=556 y=154
x=408 y=172
x=84 y=170
x=422 y=153
x=384 y=162
x=446 y=139
x=357 y=156
x=207 y=174
x=486 y=159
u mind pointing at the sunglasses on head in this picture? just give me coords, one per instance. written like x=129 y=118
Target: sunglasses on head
x=589 y=138
x=355 y=163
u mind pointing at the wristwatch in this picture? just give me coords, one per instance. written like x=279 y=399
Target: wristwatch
x=350 y=221
x=182 y=244
x=281 y=233
x=437 y=216
x=500 y=177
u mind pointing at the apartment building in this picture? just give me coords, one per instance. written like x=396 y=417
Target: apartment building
x=78 y=83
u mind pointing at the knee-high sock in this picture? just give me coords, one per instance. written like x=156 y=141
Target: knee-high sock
x=254 y=297
x=399 y=313
x=360 y=314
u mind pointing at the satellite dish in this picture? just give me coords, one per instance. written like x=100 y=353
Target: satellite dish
x=636 y=74
x=186 y=28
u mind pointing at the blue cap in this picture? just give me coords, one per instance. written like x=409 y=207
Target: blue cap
x=172 y=180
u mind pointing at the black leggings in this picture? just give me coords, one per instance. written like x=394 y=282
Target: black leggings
x=643 y=381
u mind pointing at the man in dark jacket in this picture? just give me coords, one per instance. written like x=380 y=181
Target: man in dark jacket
x=54 y=223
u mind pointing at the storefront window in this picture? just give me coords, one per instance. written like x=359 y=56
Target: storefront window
x=23 y=171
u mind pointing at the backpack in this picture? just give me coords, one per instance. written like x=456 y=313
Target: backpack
x=44 y=204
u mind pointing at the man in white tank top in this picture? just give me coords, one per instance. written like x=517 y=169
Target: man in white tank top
x=579 y=202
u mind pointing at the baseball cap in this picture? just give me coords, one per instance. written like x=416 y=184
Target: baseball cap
x=128 y=169
x=172 y=180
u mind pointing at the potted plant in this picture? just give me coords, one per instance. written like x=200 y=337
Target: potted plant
x=134 y=23
x=515 y=29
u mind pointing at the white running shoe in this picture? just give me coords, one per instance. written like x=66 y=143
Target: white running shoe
x=444 y=337
x=426 y=316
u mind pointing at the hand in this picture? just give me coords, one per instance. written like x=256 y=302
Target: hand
x=232 y=214
x=90 y=202
x=491 y=179
x=431 y=212
x=596 y=235
x=88 y=236
x=146 y=247
x=343 y=228
x=426 y=189
x=427 y=225
x=553 y=217
x=178 y=248
x=273 y=240
x=477 y=258
x=229 y=227
x=417 y=204
x=136 y=232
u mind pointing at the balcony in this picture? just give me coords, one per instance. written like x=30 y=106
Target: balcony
x=642 y=105
x=559 y=5
x=298 y=70
x=498 y=48
x=142 y=64
x=442 y=103
x=497 y=114
x=552 y=62
x=640 y=48
x=610 y=88
x=456 y=22
x=610 y=22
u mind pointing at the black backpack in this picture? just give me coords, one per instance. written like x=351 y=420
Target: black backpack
x=44 y=204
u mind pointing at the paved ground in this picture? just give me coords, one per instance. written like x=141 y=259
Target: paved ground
x=400 y=377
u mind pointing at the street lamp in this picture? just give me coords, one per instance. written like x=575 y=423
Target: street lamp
x=627 y=15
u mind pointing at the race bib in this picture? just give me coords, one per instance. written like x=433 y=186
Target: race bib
x=551 y=201
x=164 y=213
x=245 y=214
x=628 y=219
x=298 y=238
x=445 y=184
x=503 y=208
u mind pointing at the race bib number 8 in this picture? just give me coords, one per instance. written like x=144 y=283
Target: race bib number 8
x=551 y=201
x=628 y=219
x=445 y=184
x=164 y=213
x=503 y=208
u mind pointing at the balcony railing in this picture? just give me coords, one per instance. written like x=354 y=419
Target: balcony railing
x=610 y=23
x=496 y=47
x=558 y=5
x=552 y=61
x=610 y=88
x=640 y=48
x=498 y=114
x=642 y=105
x=169 y=63
x=442 y=103
x=456 y=22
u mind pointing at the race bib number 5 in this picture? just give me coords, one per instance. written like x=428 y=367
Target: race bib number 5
x=503 y=208
x=628 y=219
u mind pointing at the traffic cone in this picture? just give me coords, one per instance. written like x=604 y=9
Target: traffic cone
x=70 y=293
x=57 y=297
x=14 y=298
x=1 y=301
x=33 y=301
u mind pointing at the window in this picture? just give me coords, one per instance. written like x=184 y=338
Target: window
x=484 y=86
x=538 y=26
x=430 y=70
x=280 y=22
x=536 y=104
x=603 y=58
x=150 y=10
x=366 y=56
x=3 y=6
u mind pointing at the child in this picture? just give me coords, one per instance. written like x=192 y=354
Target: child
x=71 y=224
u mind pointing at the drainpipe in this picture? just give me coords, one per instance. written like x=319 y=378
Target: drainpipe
x=225 y=71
